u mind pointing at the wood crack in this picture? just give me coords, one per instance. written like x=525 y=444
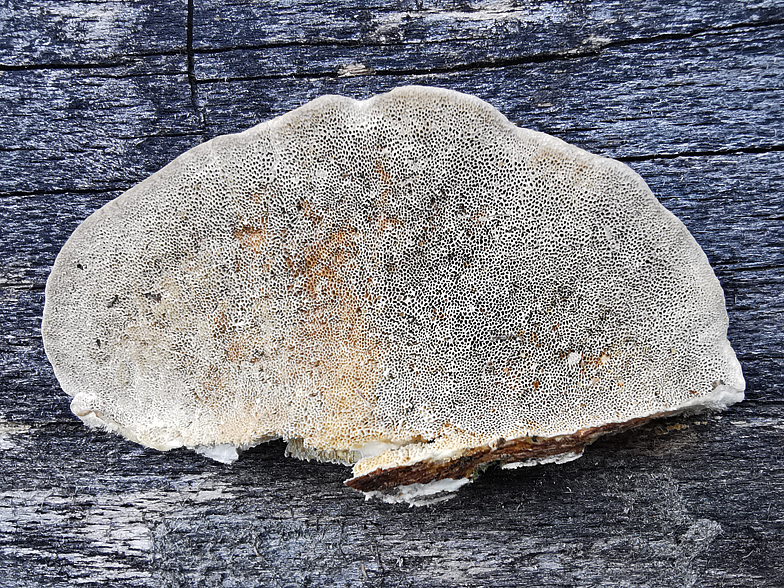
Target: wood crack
x=22 y=286
x=191 y=52
x=360 y=43
x=490 y=63
x=694 y=33
x=761 y=149
x=192 y=80
x=64 y=192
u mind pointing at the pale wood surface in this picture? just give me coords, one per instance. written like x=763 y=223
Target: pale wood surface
x=95 y=96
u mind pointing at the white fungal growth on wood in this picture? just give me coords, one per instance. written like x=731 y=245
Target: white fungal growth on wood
x=409 y=284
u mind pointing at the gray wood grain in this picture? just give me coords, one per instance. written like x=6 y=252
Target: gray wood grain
x=94 y=97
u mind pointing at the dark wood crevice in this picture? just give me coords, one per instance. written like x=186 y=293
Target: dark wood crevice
x=757 y=149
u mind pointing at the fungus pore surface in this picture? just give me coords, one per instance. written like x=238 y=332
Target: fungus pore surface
x=410 y=284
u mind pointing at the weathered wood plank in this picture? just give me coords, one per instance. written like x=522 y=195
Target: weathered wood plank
x=428 y=56
x=499 y=28
x=93 y=128
x=61 y=34
x=604 y=103
x=645 y=517
x=96 y=96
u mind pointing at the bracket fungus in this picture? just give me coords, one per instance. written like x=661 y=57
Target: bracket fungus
x=409 y=284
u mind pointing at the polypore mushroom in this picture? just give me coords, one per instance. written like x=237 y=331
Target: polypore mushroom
x=409 y=284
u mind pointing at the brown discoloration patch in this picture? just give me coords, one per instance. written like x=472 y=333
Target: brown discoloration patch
x=212 y=389
x=323 y=260
x=381 y=171
x=438 y=314
x=473 y=459
x=220 y=325
x=235 y=351
x=252 y=238
x=334 y=322
x=550 y=158
x=309 y=212
x=245 y=348
x=594 y=363
x=387 y=222
x=480 y=216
